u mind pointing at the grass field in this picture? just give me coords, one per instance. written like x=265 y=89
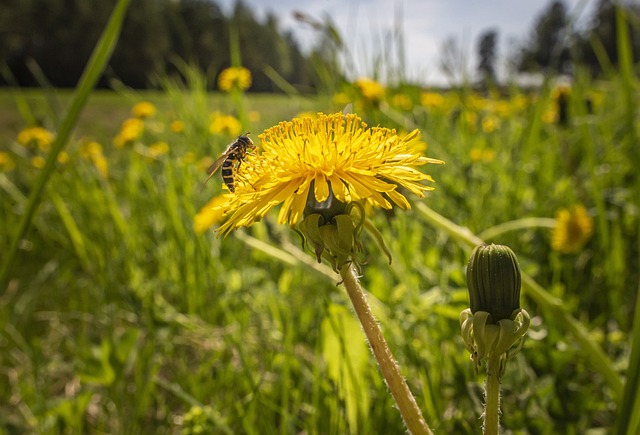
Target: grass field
x=120 y=316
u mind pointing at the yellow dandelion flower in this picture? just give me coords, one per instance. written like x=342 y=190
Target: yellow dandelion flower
x=237 y=78
x=205 y=162
x=130 y=131
x=470 y=119
x=550 y=115
x=573 y=229
x=340 y=99
x=6 y=162
x=254 y=116
x=402 y=101
x=560 y=91
x=519 y=102
x=89 y=149
x=158 y=148
x=38 y=136
x=475 y=154
x=208 y=215
x=310 y=115
x=370 y=89
x=334 y=155
x=432 y=100
x=488 y=155
x=225 y=124
x=92 y=151
x=177 y=126
x=63 y=157
x=143 y=109
x=38 y=162
x=490 y=124
x=190 y=157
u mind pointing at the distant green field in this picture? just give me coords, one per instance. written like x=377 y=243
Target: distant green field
x=106 y=110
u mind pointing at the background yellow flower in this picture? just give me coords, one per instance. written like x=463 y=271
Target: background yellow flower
x=234 y=78
x=573 y=229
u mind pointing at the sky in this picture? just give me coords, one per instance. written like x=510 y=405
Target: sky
x=368 y=25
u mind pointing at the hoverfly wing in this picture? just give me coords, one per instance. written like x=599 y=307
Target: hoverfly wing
x=211 y=170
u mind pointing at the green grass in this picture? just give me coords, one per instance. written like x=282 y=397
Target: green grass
x=119 y=317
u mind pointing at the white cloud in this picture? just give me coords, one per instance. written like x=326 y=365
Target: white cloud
x=368 y=26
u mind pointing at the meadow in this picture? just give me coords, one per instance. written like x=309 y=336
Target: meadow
x=125 y=312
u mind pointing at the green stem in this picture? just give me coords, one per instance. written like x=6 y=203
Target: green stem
x=492 y=398
x=390 y=371
x=519 y=224
x=554 y=306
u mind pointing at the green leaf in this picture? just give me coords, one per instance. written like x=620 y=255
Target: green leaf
x=346 y=354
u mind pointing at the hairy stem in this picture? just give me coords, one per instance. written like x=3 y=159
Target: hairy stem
x=492 y=396
x=390 y=371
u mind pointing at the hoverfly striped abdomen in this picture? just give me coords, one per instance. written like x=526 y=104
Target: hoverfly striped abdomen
x=230 y=160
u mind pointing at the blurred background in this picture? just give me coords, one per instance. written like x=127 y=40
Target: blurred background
x=428 y=43
x=122 y=310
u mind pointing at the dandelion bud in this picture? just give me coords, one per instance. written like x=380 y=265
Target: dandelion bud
x=493 y=279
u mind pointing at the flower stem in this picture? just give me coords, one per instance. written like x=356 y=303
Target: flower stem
x=390 y=371
x=492 y=396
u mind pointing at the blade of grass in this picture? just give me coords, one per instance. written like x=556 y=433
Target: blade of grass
x=90 y=76
x=629 y=415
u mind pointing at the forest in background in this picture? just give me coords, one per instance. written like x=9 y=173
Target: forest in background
x=52 y=40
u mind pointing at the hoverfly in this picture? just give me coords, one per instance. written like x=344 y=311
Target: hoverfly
x=230 y=160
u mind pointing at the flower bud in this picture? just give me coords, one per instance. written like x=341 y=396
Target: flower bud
x=493 y=279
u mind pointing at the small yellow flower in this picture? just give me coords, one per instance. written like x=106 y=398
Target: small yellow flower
x=208 y=215
x=225 y=124
x=143 y=109
x=238 y=78
x=205 y=162
x=158 y=148
x=490 y=124
x=92 y=151
x=475 y=154
x=470 y=119
x=370 y=89
x=131 y=130
x=177 y=126
x=573 y=229
x=63 y=157
x=432 y=100
x=189 y=157
x=334 y=155
x=38 y=136
x=38 y=162
x=310 y=115
x=6 y=162
x=340 y=99
x=550 y=115
x=253 y=115
x=89 y=149
x=402 y=101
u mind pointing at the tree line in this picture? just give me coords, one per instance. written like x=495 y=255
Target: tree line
x=556 y=45
x=54 y=39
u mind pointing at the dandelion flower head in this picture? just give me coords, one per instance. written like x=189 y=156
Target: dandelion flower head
x=573 y=229
x=235 y=77
x=143 y=109
x=39 y=136
x=333 y=155
x=370 y=89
